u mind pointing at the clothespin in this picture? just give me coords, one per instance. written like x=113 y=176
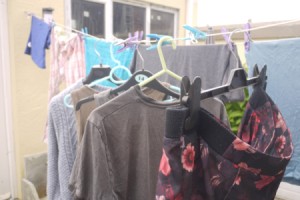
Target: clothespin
x=190 y=97
x=83 y=33
x=130 y=42
x=247 y=36
x=196 y=34
x=157 y=38
x=227 y=38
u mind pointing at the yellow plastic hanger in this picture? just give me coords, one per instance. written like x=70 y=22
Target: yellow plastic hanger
x=163 y=63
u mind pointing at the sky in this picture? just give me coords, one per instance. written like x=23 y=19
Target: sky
x=222 y=12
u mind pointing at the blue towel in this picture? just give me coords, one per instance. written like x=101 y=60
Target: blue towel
x=38 y=41
x=283 y=85
x=91 y=58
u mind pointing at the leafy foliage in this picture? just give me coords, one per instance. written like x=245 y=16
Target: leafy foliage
x=235 y=111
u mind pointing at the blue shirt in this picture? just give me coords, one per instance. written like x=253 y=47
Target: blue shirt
x=283 y=71
x=38 y=41
x=103 y=48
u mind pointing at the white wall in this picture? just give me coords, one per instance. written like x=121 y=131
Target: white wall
x=7 y=158
x=217 y=12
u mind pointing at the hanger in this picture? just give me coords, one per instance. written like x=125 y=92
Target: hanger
x=157 y=37
x=142 y=75
x=110 y=77
x=237 y=80
x=191 y=95
x=163 y=63
x=98 y=71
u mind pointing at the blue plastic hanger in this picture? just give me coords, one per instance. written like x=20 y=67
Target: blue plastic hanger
x=157 y=38
x=67 y=98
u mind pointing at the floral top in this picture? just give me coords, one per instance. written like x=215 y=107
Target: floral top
x=210 y=162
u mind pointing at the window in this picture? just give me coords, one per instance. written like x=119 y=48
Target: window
x=104 y=18
x=90 y=15
x=162 y=22
x=127 y=19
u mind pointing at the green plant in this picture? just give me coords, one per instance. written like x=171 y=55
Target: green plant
x=235 y=111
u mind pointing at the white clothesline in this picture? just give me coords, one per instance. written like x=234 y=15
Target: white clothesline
x=207 y=35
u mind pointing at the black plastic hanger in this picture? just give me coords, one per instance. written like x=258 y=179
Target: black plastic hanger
x=237 y=80
x=139 y=76
x=191 y=95
x=98 y=72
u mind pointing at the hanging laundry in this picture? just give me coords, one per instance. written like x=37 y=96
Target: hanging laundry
x=212 y=63
x=67 y=60
x=85 y=109
x=210 y=162
x=38 y=41
x=62 y=143
x=103 y=47
x=126 y=134
x=122 y=144
x=281 y=57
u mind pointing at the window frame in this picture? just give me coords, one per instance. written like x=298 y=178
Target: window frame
x=132 y=3
x=108 y=9
x=167 y=10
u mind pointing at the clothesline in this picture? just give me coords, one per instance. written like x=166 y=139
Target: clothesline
x=207 y=35
x=256 y=28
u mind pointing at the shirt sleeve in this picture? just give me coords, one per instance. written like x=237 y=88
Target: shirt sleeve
x=53 y=189
x=90 y=175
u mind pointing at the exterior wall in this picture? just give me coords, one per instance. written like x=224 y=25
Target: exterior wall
x=29 y=83
x=7 y=166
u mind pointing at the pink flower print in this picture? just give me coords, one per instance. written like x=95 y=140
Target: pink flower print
x=245 y=167
x=237 y=180
x=265 y=180
x=280 y=143
x=215 y=180
x=280 y=123
x=187 y=158
x=164 y=166
x=240 y=145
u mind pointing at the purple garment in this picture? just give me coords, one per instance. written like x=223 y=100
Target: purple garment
x=38 y=41
x=211 y=163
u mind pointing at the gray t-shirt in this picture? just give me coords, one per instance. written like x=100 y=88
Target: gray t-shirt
x=121 y=149
x=213 y=63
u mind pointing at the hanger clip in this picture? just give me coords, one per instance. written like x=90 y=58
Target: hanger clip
x=196 y=34
x=190 y=97
x=157 y=38
x=262 y=76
